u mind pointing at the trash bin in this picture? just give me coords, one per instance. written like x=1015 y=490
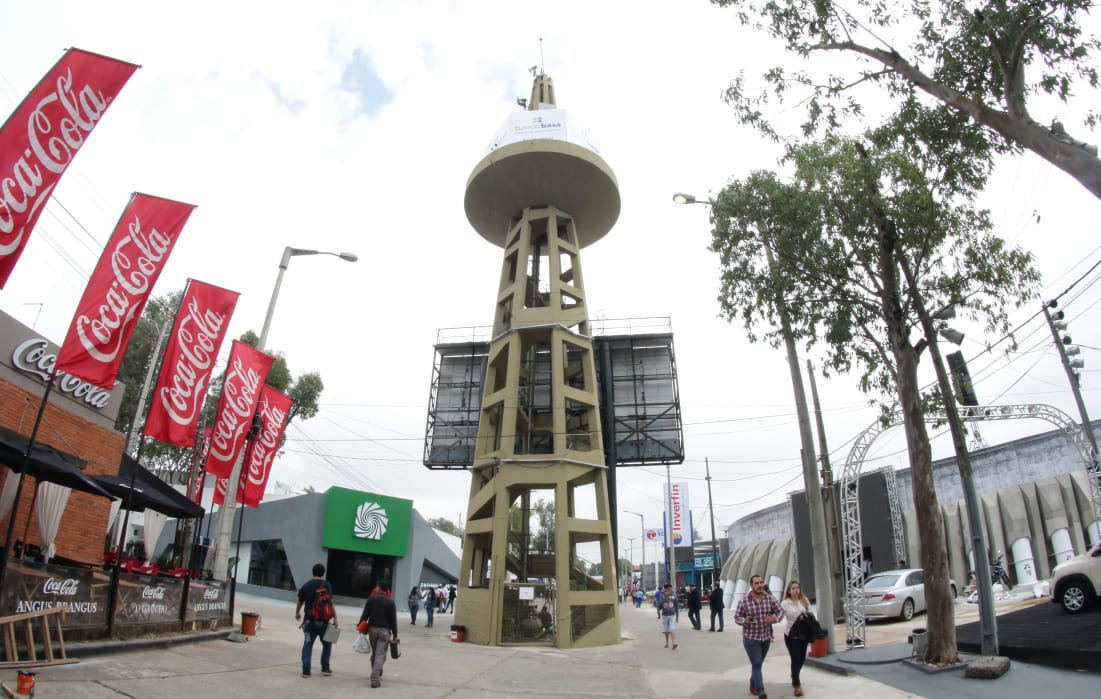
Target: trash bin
x=249 y=620
x=819 y=648
x=458 y=633
x=920 y=639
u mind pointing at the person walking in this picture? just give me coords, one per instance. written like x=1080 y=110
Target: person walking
x=316 y=596
x=639 y=595
x=795 y=606
x=694 y=604
x=756 y=614
x=715 y=601
x=414 y=604
x=430 y=606
x=381 y=616
x=669 y=615
x=451 y=598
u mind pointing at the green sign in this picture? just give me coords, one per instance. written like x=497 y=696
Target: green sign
x=706 y=562
x=366 y=522
x=684 y=566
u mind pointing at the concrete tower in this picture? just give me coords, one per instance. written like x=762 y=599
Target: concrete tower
x=542 y=193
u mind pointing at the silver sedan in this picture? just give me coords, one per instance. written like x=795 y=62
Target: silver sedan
x=897 y=593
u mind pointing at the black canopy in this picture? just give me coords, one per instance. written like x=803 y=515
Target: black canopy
x=149 y=492
x=46 y=463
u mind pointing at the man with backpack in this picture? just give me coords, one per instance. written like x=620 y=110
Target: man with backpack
x=317 y=597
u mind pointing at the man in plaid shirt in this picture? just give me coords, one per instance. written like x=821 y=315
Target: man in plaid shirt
x=756 y=614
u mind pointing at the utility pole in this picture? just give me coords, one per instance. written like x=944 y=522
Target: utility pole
x=711 y=509
x=1063 y=344
x=829 y=502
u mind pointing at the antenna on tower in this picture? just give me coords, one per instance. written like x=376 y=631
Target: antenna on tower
x=542 y=63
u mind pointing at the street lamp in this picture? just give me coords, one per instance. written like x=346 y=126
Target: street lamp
x=642 y=532
x=823 y=581
x=229 y=505
x=288 y=253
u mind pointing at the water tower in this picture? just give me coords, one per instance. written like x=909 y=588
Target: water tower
x=539 y=513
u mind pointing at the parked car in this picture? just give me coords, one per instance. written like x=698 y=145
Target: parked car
x=897 y=593
x=1077 y=583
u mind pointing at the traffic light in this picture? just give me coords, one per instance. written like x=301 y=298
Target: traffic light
x=961 y=379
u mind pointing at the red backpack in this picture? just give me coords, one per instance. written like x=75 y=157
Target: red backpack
x=321 y=609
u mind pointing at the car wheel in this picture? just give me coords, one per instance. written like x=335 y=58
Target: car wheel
x=1075 y=597
x=907 y=610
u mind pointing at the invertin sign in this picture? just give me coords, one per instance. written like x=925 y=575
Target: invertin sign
x=366 y=522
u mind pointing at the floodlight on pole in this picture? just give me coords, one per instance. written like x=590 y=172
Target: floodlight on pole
x=642 y=532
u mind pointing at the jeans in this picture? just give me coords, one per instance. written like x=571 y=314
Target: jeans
x=431 y=612
x=716 y=613
x=694 y=618
x=311 y=630
x=797 y=649
x=413 y=612
x=756 y=650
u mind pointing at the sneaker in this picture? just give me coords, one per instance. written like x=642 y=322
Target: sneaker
x=752 y=690
x=798 y=691
x=326 y=672
x=376 y=685
x=762 y=695
x=306 y=675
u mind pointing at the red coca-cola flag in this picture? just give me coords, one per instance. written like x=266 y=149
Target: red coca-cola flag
x=274 y=409
x=221 y=487
x=119 y=287
x=200 y=328
x=40 y=138
x=248 y=369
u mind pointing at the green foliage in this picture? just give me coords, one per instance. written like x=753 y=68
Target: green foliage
x=959 y=65
x=445 y=525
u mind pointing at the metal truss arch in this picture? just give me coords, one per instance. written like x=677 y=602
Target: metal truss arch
x=852 y=540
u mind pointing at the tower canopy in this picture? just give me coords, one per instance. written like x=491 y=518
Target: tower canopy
x=540 y=158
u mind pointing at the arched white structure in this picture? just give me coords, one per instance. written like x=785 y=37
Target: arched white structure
x=852 y=540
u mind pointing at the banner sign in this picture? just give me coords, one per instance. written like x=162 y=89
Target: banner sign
x=274 y=409
x=366 y=522
x=206 y=600
x=147 y=599
x=248 y=369
x=197 y=335
x=678 y=521
x=655 y=534
x=32 y=587
x=119 y=288
x=43 y=134
x=705 y=562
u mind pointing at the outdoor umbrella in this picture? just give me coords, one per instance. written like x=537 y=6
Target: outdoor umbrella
x=148 y=491
x=45 y=464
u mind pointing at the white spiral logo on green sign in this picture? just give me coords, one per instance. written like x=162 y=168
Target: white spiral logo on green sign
x=371 y=521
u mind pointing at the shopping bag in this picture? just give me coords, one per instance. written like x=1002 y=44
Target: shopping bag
x=361 y=645
x=395 y=649
x=363 y=627
x=331 y=635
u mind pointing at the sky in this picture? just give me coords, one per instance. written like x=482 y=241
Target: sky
x=354 y=126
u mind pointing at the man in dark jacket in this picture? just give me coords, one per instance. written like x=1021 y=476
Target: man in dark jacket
x=381 y=615
x=715 y=601
x=312 y=629
x=694 y=604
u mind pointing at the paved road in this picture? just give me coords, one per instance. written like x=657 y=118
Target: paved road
x=705 y=665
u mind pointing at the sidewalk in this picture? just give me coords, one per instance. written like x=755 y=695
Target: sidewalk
x=705 y=665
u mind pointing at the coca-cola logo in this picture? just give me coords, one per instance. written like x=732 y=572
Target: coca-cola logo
x=267 y=444
x=53 y=143
x=134 y=260
x=211 y=593
x=34 y=357
x=152 y=592
x=197 y=335
x=238 y=396
x=54 y=586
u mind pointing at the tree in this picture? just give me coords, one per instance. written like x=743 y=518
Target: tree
x=173 y=463
x=445 y=525
x=962 y=65
x=849 y=254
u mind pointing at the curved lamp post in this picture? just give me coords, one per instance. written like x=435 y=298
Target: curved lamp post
x=225 y=516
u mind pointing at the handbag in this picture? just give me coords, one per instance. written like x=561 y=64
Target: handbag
x=395 y=649
x=331 y=634
x=361 y=644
